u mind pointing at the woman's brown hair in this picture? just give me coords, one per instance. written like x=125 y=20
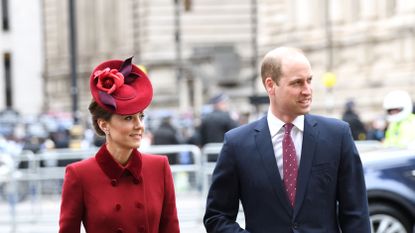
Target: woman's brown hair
x=98 y=112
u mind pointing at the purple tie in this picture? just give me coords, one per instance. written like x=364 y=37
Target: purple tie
x=290 y=164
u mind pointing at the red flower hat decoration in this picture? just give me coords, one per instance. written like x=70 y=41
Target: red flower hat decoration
x=121 y=87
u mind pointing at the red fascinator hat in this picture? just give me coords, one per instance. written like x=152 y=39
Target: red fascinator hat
x=120 y=87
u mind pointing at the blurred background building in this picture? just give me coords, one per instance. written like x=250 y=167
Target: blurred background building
x=193 y=49
x=21 y=56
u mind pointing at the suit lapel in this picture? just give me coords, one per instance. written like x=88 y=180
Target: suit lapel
x=309 y=144
x=266 y=152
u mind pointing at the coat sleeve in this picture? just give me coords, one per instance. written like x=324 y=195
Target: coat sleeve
x=351 y=192
x=169 y=222
x=72 y=207
x=223 y=198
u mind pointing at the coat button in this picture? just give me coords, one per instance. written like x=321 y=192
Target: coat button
x=114 y=182
x=120 y=230
x=138 y=205
x=117 y=207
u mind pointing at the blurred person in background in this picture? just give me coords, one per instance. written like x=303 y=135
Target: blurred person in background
x=216 y=123
x=244 y=117
x=291 y=171
x=376 y=129
x=400 y=131
x=35 y=137
x=356 y=125
x=166 y=134
x=119 y=189
x=60 y=137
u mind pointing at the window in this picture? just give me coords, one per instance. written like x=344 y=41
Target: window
x=5 y=15
x=390 y=8
x=8 y=79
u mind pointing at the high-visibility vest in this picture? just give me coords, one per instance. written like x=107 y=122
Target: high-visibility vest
x=401 y=133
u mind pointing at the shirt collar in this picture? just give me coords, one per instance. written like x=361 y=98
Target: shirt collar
x=275 y=124
x=113 y=169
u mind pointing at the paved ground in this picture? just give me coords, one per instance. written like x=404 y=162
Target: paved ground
x=41 y=216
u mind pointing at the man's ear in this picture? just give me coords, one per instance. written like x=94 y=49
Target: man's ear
x=269 y=86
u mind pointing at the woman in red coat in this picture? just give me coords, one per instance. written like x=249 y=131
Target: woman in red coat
x=119 y=189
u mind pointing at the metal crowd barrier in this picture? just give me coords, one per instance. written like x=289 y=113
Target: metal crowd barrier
x=186 y=172
x=184 y=148
x=50 y=165
x=210 y=152
x=31 y=174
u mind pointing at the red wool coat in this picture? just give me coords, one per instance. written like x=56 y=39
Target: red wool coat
x=107 y=197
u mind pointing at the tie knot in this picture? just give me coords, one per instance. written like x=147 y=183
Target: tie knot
x=288 y=127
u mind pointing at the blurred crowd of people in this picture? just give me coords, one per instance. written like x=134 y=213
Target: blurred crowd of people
x=49 y=131
x=35 y=133
x=56 y=131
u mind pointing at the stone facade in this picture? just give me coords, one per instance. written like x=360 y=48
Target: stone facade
x=21 y=57
x=372 y=48
x=369 y=46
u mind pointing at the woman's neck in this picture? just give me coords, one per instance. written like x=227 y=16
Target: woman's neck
x=121 y=155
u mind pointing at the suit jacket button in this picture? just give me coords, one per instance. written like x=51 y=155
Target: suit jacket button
x=114 y=182
x=117 y=207
x=296 y=225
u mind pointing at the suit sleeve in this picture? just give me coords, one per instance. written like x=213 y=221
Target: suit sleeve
x=72 y=207
x=169 y=222
x=351 y=191
x=223 y=198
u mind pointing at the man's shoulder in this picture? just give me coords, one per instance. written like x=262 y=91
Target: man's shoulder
x=247 y=128
x=324 y=120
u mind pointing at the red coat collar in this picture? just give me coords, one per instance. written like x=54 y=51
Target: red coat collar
x=113 y=169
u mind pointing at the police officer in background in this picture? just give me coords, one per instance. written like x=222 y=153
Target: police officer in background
x=400 y=131
x=216 y=123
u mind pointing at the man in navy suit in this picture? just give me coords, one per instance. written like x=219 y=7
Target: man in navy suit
x=316 y=186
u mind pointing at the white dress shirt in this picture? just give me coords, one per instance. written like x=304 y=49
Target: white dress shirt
x=276 y=129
